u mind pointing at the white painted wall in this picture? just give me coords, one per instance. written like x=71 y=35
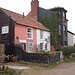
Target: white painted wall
x=71 y=39
x=74 y=39
x=46 y=35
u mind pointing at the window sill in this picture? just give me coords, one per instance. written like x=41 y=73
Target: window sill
x=30 y=38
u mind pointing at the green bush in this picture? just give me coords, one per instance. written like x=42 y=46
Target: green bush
x=58 y=49
x=68 y=50
x=6 y=71
x=43 y=51
x=51 y=55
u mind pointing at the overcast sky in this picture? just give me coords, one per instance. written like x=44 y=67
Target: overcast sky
x=21 y=6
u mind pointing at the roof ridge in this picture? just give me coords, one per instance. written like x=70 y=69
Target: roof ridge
x=38 y=22
x=10 y=10
x=24 y=20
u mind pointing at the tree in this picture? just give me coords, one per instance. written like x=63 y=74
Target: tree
x=52 y=23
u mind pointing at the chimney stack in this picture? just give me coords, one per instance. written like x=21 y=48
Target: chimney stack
x=34 y=9
x=23 y=14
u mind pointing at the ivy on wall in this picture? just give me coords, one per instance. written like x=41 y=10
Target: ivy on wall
x=52 y=23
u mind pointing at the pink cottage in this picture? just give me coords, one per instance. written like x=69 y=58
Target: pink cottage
x=16 y=28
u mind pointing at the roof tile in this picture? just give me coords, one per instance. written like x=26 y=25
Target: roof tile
x=24 y=20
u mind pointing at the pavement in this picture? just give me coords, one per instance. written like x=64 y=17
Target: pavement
x=17 y=67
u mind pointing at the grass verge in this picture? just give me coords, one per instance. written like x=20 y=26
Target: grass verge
x=70 y=59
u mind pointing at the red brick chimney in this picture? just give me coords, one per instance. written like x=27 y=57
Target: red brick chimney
x=34 y=9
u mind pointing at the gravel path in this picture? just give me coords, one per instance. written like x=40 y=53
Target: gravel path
x=62 y=69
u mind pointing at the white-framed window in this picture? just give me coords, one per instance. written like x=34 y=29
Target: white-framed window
x=41 y=46
x=41 y=34
x=30 y=46
x=29 y=33
x=5 y=29
x=46 y=46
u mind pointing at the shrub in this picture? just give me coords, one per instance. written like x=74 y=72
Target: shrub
x=58 y=49
x=43 y=51
x=6 y=71
x=51 y=55
x=68 y=50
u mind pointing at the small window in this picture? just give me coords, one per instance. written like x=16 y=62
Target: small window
x=59 y=29
x=41 y=34
x=46 y=46
x=64 y=16
x=64 y=28
x=41 y=46
x=30 y=46
x=5 y=29
x=29 y=33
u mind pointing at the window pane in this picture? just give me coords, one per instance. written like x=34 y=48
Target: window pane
x=41 y=34
x=41 y=46
x=29 y=33
x=59 y=29
x=29 y=30
x=46 y=46
x=30 y=46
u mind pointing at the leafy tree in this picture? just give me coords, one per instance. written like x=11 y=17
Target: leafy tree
x=52 y=23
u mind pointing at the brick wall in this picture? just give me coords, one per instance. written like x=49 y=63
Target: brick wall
x=1 y=53
x=34 y=9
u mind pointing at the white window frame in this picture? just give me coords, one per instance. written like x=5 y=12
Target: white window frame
x=41 y=47
x=45 y=46
x=5 y=29
x=41 y=34
x=30 y=47
x=30 y=33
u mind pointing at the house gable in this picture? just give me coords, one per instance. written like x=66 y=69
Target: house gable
x=6 y=31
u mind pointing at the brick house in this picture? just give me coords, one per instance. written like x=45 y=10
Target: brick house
x=16 y=28
x=37 y=11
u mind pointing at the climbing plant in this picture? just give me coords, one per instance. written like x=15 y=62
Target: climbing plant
x=52 y=23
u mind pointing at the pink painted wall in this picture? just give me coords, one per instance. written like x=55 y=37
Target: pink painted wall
x=21 y=32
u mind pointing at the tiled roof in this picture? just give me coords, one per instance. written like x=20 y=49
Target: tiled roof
x=29 y=14
x=24 y=20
